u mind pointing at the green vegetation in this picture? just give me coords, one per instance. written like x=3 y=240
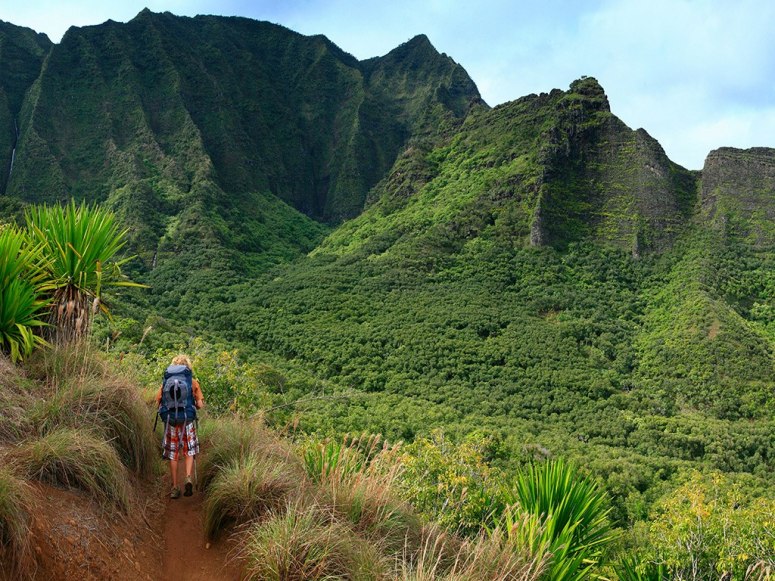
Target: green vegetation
x=22 y=308
x=53 y=272
x=79 y=245
x=519 y=290
x=567 y=517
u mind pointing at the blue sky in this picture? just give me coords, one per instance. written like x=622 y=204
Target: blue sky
x=696 y=74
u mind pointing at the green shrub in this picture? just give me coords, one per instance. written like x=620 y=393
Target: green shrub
x=633 y=569
x=22 y=309
x=75 y=458
x=80 y=244
x=15 y=555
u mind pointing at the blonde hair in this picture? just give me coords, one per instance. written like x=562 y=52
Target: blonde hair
x=182 y=360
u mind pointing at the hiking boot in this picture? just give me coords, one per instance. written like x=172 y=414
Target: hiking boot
x=189 y=488
x=175 y=492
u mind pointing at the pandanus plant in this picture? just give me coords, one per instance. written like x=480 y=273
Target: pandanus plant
x=22 y=310
x=80 y=244
x=553 y=509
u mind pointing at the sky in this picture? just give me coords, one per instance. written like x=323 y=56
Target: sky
x=695 y=74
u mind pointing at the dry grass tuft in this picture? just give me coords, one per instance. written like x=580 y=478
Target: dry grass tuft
x=76 y=459
x=232 y=440
x=112 y=409
x=305 y=543
x=444 y=557
x=245 y=489
x=357 y=479
x=16 y=557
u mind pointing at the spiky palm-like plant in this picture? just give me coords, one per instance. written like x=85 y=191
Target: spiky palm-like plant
x=567 y=516
x=80 y=244
x=22 y=309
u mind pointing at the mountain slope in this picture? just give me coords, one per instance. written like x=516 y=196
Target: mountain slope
x=21 y=55
x=249 y=105
x=547 y=272
x=546 y=169
x=223 y=143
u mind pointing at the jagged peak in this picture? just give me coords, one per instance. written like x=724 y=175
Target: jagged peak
x=414 y=45
x=589 y=87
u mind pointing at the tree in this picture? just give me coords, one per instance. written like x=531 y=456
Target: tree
x=80 y=244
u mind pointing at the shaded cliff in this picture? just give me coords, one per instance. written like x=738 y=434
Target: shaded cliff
x=738 y=192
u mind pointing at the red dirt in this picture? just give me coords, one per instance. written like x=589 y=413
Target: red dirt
x=187 y=554
x=73 y=538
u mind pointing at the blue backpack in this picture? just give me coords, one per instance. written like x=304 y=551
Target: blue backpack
x=177 y=396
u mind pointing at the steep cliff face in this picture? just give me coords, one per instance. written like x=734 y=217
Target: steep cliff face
x=243 y=105
x=603 y=180
x=547 y=169
x=21 y=55
x=738 y=192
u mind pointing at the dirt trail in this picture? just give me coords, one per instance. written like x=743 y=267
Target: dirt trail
x=186 y=556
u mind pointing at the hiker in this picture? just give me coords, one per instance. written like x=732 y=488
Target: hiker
x=178 y=399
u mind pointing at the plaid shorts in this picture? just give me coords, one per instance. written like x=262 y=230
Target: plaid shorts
x=177 y=437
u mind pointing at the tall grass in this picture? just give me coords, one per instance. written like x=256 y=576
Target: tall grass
x=232 y=440
x=245 y=489
x=16 y=398
x=330 y=458
x=16 y=559
x=65 y=364
x=305 y=543
x=79 y=389
x=487 y=557
x=75 y=458
x=112 y=409
x=357 y=478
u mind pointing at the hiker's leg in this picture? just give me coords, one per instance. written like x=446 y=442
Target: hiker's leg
x=189 y=465
x=174 y=472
